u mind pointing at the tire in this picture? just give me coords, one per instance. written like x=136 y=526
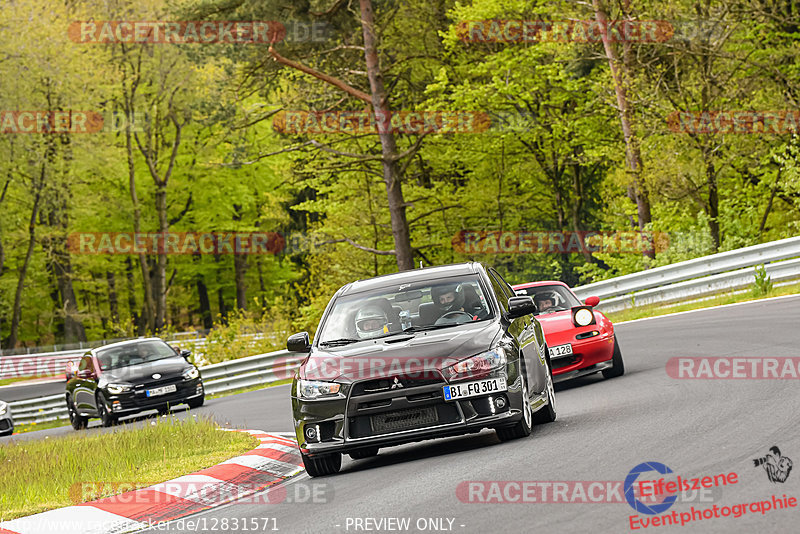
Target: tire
x=107 y=419
x=78 y=422
x=8 y=432
x=548 y=413
x=617 y=365
x=360 y=454
x=523 y=427
x=197 y=402
x=320 y=466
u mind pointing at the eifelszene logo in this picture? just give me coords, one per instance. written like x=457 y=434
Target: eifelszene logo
x=777 y=467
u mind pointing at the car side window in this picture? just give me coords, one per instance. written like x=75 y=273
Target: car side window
x=500 y=291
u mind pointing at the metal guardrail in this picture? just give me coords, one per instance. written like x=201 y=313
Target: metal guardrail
x=261 y=369
x=697 y=278
x=54 y=363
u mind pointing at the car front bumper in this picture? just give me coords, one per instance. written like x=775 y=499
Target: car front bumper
x=347 y=423
x=134 y=402
x=588 y=356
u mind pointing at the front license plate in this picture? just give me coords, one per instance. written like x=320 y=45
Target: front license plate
x=474 y=389
x=560 y=350
x=155 y=392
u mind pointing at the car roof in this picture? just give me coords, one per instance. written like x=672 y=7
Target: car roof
x=127 y=342
x=408 y=277
x=540 y=283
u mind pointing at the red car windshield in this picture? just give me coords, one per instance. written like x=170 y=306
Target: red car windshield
x=552 y=298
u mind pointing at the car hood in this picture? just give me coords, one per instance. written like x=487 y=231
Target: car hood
x=400 y=355
x=558 y=327
x=167 y=368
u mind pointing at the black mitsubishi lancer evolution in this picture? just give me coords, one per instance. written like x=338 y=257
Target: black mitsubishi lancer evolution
x=419 y=355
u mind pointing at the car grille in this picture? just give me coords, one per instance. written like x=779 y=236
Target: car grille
x=403 y=419
x=150 y=383
x=374 y=408
x=566 y=361
x=388 y=384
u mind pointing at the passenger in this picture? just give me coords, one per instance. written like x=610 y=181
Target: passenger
x=371 y=321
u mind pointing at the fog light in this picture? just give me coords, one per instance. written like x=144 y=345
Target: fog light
x=199 y=389
x=116 y=406
x=311 y=433
x=500 y=402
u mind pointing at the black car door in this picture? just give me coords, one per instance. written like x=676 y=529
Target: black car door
x=523 y=329
x=86 y=384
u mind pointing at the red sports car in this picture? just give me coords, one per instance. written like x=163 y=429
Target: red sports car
x=580 y=339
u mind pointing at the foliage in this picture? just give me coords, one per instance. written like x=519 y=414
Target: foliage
x=553 y=161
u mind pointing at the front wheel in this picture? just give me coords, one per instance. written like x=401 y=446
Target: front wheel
x=547 y=414
x=617 y=366
x=320 y=466
x=197 y=401
x=78 y=422
x=106 y=418
x=524 y=425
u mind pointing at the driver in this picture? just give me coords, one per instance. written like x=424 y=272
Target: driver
x=371 y=321
x=448 y=298
x=545 y=300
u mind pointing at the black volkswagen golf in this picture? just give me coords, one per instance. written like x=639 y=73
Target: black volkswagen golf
x=419 y=355
x=129 y=377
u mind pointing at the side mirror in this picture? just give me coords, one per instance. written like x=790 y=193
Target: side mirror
x=70 y=371
x=299 y=343
x=519 y=306
x=592 y=301
x=185 y=353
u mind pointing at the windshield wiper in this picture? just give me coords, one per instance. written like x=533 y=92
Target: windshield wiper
x=338 y=342
x=411 y=329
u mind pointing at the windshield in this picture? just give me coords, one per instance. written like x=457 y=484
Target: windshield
x=405 y=308
x=549 y=299
x=134 y=354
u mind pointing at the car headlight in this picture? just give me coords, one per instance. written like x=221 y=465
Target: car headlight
x=3 y=408
x=477 y=365
x=191 y=374
x=116 y=389
x=583 y=317
x=312 y=389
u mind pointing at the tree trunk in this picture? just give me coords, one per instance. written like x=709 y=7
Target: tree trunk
x=713 y=202
x=240 y=267
x=16 y=313
x=148 y=310
x=391 y=170
x=59 y=264
x=205 y=304
x=622 y=78
x=113 y=305
x=2 y=252
x=160 y=275
x=240 y=271
x=577 y=206
x=132 y=306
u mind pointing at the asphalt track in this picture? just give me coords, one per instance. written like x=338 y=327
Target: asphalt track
x=604 y=428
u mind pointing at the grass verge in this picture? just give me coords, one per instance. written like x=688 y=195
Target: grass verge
x=46 y=474
x=640 y=312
